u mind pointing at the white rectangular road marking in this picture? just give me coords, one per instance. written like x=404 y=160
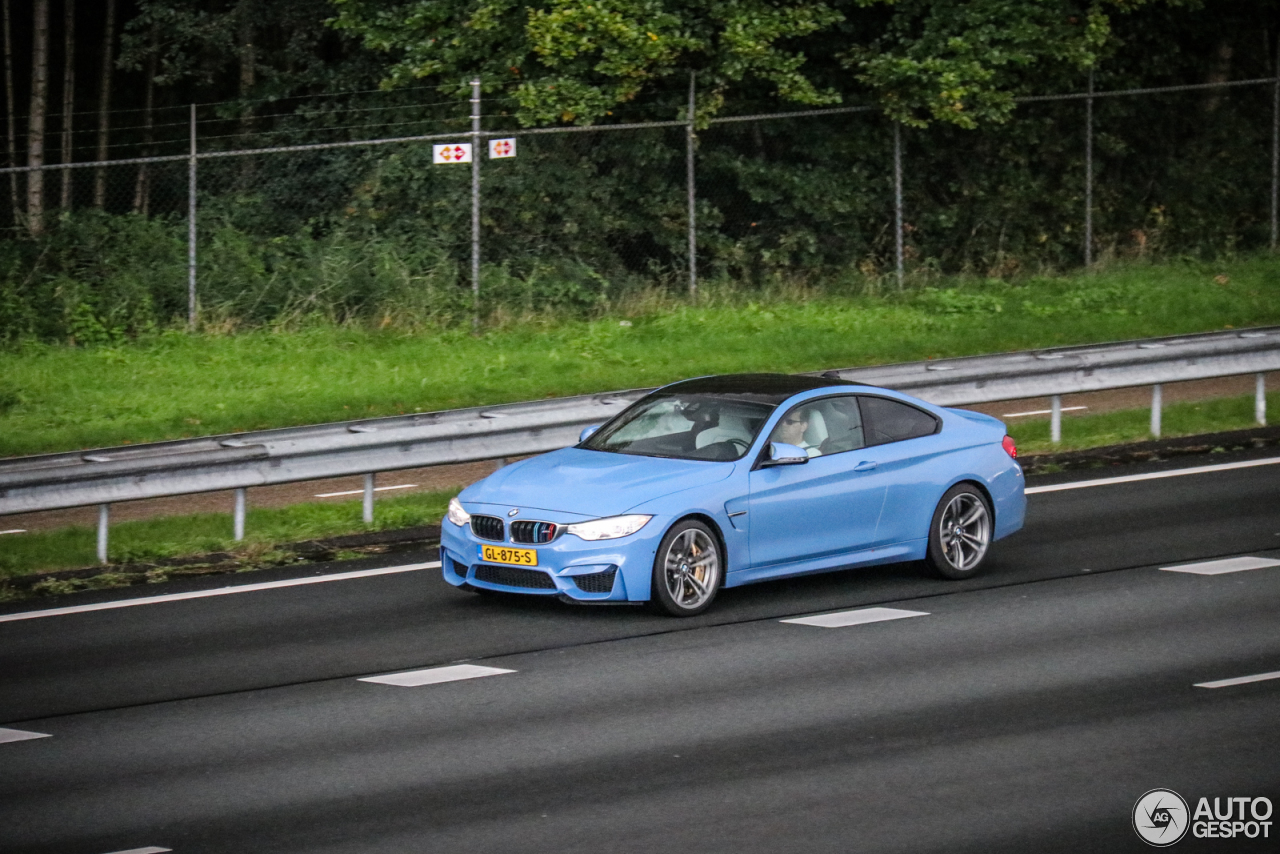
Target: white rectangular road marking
x=361 y=491
x=219 y=591
x=1221 y=567
x=1042 y=412
x=150 y=849
x=856 y=618
x=8 y=735
x=1239 y=680
x=1155 y=475
x=435 y=675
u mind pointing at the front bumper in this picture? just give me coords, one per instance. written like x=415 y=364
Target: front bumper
x=601 y=571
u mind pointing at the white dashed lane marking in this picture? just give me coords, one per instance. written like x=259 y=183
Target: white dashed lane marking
x=855 y=618
x=1240 y=680
x=219 y=591
x=1221 y=567
x=436 y=675
x=361 y=491
x=8 y=735
x=150 y=849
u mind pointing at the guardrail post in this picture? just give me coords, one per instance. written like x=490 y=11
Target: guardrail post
x=1055 y=419
x=1260 y=399
x=368 y=498
x=104 y=522
x=1157 y=401
x=238 y=515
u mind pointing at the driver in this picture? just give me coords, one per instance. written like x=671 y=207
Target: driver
x=791 y=429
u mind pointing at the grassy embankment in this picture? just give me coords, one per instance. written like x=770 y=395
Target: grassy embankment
x=57 y=398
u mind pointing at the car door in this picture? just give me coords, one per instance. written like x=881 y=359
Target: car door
x=903 y=440
x=819 y=511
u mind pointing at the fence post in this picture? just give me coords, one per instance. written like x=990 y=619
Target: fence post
x=1055 y=419
x=1157 y=403
x=191 y=226
x=237 y=523
x=475 y=203
x=692 y=190
x=1088 y=175
x=897 y=198
x=104 y=523
x=368 y=498
x=1260 y=399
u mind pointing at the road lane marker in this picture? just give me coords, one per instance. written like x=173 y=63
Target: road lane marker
x=361 y=491
x=1239 y=680
x=1221 y=567
x=150 y=849
x=8 y=735
x=1042 y=412
x=219 y=591
x=855 y=618
x=435 y=675
x=1155 y=475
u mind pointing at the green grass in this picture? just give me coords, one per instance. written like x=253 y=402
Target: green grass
x=205 y=533
x=1134 y=425
x=172 y=384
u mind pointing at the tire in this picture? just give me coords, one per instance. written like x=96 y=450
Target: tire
x=687 y=570
x=960 y=533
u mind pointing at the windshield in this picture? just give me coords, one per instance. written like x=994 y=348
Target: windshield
x=684 y=426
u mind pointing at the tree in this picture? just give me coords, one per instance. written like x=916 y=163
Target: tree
x=104 y=105
x=39 y=109
x=68 y=94
x=9 y=106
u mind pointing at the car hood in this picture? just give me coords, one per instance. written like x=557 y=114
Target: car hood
x=591 y=483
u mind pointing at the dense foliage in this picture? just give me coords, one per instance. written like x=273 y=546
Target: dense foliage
x=991 y=186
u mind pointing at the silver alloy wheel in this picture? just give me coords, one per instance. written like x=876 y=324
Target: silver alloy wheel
x=691 y=568
x=965 y=531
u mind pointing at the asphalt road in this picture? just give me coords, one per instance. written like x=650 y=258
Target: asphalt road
x=1026 y=710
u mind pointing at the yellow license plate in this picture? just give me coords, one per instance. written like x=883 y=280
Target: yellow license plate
x=515 y=557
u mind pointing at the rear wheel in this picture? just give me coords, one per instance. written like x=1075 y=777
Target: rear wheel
x=960 y=533
x=687 y=570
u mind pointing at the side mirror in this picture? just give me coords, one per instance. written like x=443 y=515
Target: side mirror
x=782 y=454
x=586 y=433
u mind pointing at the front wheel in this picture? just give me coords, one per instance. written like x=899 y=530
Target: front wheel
x=960 y=533
x=686 y=570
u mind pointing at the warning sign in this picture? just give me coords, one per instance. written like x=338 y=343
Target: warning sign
x=499 y=148
x=453 y=152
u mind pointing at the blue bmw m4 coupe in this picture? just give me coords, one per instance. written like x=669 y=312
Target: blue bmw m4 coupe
x=721 y=481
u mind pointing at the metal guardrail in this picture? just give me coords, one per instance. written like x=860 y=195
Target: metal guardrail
x=239 y=461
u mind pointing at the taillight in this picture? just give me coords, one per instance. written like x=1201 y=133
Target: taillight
x=1009 y=448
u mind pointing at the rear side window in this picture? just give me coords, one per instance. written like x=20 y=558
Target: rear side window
x=886 y=420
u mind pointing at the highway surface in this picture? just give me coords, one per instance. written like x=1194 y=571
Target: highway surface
x=1026 y=710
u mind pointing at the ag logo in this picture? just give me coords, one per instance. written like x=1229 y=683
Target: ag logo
x=1160 y=817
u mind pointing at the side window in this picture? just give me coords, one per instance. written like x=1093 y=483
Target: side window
x=890 y=421
x=825 y=426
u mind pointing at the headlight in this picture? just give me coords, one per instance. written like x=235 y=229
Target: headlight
x=456 y=514
x=608 y=529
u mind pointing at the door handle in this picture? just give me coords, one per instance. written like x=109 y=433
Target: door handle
x=865 y=465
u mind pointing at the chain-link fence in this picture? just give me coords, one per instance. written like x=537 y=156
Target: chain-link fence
x=340 y=207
